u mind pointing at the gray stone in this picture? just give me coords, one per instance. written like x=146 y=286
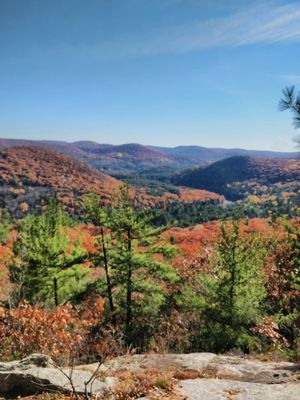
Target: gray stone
x=229 y=372
x=166 y=362
x=25 y=378
x=243 y=369
x=224 y=377
x=215 y=389
x=39 y=360
x=207 y=364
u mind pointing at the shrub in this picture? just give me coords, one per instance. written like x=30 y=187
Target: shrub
x=60 y=332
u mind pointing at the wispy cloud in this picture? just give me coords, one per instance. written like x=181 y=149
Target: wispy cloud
x=264 y=22
x=261 y=22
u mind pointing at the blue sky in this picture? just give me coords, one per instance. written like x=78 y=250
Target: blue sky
x=160 y=72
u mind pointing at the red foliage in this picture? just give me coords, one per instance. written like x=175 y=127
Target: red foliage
x=187 y=196
x=5 y=258
x=268 y=328
x=23 y=167
x=86 y=235
x=193 y=239
x=59 y=332
x=280 y=272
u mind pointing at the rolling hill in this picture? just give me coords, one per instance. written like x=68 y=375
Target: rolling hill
x=133 y=159
x=112 y=159
x=29 y=175
x=198 y=155
x=226 y=176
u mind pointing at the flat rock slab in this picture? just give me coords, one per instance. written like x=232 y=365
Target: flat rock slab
x=216 y=389
x=25 y=378
x=166 y=362
x=218 y=377
x=208 y=365
x=249 y=370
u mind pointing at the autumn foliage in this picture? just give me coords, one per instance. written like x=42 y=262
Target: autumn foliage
x=170 y=300
x=24 y=168
x=60 y=332
x=32 y=174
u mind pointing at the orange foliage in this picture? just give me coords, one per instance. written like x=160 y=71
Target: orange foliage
x=24 y=167
x=86 y=234
x=24 y=206
x=4 y=281
x=190 y=240
x=197 y=242
x=70 y=178
x=268 y=328
x=187 y=196
x=58 y=332
x=5 y=258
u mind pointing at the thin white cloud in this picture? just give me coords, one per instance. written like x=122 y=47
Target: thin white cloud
x=261 y=22
x=264 y=22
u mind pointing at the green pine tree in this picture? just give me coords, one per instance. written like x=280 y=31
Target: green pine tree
x=233 y=292
x=98 y=215
x=140 y=277
x=43 y=269
x=4 y=226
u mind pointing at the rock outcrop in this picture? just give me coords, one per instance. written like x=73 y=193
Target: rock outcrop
x=214 y=377
x=216 y=389
x=220 y=377
x=37 y=373
x=209 y=365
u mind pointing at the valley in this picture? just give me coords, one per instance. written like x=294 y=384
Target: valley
x=162 y=177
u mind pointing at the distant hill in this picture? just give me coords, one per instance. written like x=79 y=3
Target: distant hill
x=63 y=147
x=125 y=159
x=131 y=159
x=132 y=151
x=29 y=175
x=221 y=176
x=204 y=155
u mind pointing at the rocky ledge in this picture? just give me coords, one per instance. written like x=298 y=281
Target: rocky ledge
x=214 y=376
x=37 y=373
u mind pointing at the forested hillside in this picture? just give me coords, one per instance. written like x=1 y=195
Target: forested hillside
x=234 y=176
x=30 y=175
x=132 y=159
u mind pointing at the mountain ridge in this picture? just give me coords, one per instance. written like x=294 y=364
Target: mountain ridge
x=130 y=158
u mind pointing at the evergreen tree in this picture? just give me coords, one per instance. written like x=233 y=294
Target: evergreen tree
x=4 y=226
x=233 y=292
x=43 y=269
x=139 y=276
x=291 y=101
x=288 y=315
x=98 y=215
